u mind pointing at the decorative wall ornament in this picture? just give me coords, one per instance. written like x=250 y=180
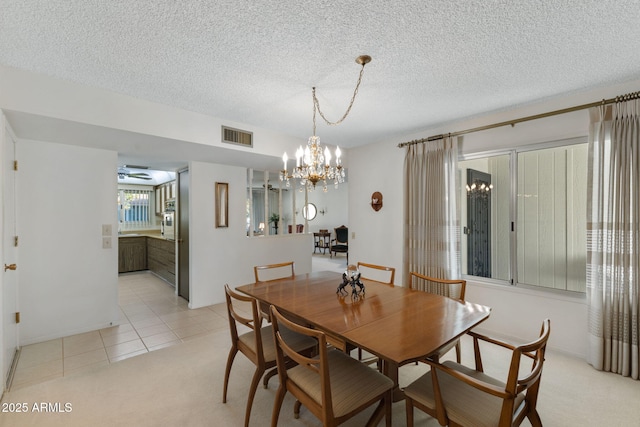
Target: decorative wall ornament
x=376 y=201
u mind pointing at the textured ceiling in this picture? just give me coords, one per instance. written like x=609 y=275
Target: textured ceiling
x=256 y=61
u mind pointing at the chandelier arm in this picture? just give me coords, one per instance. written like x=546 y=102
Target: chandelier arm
x=316 y=104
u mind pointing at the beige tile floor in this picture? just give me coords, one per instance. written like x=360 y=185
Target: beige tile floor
x=151 y=317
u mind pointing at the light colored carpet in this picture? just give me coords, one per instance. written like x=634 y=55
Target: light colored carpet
x=182 y=386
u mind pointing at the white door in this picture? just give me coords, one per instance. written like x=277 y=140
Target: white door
x=9 y=252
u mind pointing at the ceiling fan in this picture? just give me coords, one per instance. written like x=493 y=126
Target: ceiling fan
x=126 y=173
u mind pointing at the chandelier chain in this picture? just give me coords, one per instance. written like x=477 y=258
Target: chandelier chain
x=313 y=164
x=316 y=105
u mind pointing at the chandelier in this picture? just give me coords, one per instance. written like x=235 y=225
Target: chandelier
x=479 y=189
x=313 y=163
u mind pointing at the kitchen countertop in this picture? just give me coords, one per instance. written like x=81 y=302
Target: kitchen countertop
x=143 y=234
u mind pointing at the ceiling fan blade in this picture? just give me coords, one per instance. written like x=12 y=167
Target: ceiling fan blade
x=139 y=176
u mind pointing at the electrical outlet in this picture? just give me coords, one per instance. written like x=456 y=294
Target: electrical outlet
x=353 y=234
x=106 y=243
x=106 y=229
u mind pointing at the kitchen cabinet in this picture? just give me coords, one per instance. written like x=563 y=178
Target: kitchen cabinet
x=161 y=258
x=132 y=254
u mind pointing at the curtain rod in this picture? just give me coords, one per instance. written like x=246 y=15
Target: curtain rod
x=622 y=98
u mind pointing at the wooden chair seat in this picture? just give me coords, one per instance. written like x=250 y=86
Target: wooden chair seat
x=332 y=385
x=460 y=396
x=351 y=382
x=465 y=403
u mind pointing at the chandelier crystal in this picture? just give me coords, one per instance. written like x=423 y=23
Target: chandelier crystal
x=313 y=164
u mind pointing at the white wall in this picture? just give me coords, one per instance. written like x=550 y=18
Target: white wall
x=227 y=255
x=376 y=237
x=516 y=312
x=68 y=283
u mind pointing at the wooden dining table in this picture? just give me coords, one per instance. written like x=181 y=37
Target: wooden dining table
x=397 y=324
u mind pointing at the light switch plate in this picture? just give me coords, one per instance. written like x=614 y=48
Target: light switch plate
x=106 y=229
x=106 y=243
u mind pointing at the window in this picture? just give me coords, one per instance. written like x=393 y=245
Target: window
x=523 y=214
x=134 y=209
x=270 y=206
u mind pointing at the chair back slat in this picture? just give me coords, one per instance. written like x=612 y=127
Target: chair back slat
x=268 y=272
x=378 y=273
x=455 y=289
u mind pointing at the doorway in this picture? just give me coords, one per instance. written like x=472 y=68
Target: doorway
x=183 y=233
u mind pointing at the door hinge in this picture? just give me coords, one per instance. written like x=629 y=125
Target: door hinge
x=15 y=241
x=15 y=165
x=17 y=317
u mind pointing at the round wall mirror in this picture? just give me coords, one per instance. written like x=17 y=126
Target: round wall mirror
x=309 y=211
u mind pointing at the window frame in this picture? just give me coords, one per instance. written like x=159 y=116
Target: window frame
x=513 y=211
x=123 y=225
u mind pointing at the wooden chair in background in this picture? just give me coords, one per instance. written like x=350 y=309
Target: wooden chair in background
x=378 y=273
x=460 y=396
x=257 y=344
x=265 y=273
x=341 y=243
x=449 y=288
x=333 y=386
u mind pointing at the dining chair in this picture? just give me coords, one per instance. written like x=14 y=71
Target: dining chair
x=268 y=272
x=449 y=288
x=256 y=344
x=281 y=270
x=340 y=243
x=332 y=385
x=378 y=273
x=460 y=396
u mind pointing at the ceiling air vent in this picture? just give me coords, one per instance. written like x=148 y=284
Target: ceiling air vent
x=237 y=136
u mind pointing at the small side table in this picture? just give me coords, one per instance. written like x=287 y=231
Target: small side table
x=321 y=241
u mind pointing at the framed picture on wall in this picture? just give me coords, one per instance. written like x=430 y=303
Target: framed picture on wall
x=222 y=204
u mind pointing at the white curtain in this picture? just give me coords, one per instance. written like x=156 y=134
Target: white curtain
x=613 y=237
x=432 y=229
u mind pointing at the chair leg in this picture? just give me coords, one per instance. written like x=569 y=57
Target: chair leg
x=277 y=404
x=296 y=409
x=409 y=404
x=227 y=372
x=252 y=392
x=388 y=400
x=265 y=381
x=534 y=418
